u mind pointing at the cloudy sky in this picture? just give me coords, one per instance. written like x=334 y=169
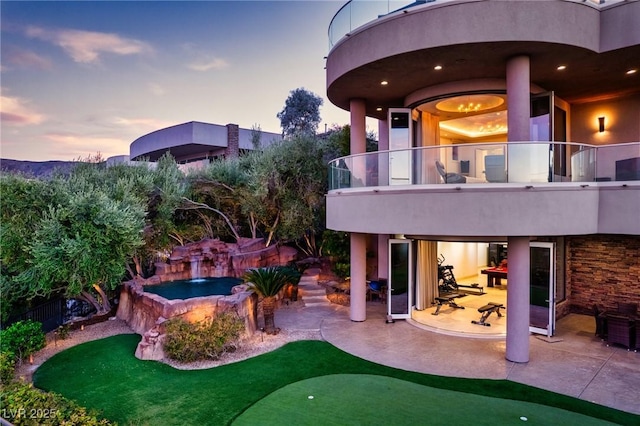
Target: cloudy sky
x=80 y=78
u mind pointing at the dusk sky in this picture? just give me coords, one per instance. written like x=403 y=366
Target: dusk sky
x=81 y=77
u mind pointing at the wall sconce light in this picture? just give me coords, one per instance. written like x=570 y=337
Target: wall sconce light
x=600 y=124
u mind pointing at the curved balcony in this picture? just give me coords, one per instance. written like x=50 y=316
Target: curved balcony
x=356 y=13
x=488 y=163
x=488 y=191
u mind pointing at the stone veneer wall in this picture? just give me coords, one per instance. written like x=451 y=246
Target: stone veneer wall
x=603 y=270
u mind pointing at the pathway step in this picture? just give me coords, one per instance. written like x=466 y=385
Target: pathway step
x=310 y=292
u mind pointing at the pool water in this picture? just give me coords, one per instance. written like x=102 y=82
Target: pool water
x=186 y=289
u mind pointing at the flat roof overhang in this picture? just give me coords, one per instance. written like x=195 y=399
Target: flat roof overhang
x=187 y=151
x=474 y=40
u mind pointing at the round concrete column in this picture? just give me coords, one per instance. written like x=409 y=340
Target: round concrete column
x=518 y=300
x=358 y=126
x=358 y=290
x=518 y=98
x=358 y=145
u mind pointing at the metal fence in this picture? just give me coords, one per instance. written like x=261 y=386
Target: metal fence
x=53 y=313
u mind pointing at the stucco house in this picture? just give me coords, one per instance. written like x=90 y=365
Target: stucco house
x=196 y=141
x=505 y=127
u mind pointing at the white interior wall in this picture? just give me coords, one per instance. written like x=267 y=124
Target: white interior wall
x=465 y=258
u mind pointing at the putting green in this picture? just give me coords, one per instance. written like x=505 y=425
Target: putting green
x=356 y=399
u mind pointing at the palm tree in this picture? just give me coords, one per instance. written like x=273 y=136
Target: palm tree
x=267 y=283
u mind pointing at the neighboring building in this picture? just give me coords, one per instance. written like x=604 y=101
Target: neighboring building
x=503 y=125
x=195 y=141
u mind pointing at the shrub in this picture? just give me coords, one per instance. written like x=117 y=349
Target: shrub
x=7 y=366
x=342 y=270
x=22 y=338
x=209 y=339
x=22 y=404
x=62 y=332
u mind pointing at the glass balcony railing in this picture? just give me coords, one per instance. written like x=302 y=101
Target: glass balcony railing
x=486 y=163
x=356 y=13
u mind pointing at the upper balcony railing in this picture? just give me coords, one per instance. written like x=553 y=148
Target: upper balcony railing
x=488 y=163
x=355 y=13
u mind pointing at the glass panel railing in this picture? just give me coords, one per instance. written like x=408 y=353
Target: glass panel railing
x=583 y=165
x=356 y=13
x=513 y=162
x=619 y=162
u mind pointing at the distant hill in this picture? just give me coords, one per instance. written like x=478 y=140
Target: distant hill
x=36 y=168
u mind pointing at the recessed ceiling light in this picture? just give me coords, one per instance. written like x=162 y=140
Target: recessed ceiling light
x=384 y=82
x=379 y=109
x=437 y=67
x=632 y=71
x=561 y=67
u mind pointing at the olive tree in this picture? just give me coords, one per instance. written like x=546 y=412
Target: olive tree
x=301 y=113
x=24 y=203
x=81 y=248
x=286 y=189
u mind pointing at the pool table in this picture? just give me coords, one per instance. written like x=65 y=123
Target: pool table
x=495 y=275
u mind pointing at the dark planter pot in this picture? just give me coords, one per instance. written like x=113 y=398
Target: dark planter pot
x=291 y=292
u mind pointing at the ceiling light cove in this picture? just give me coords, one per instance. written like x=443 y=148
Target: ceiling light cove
x=489 y=124
x=470 y=103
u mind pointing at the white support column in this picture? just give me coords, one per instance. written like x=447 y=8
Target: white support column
x=518 y=98
x=358 y=289
x=518 y=300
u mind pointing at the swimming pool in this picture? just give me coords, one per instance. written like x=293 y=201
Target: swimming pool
x=187 y=289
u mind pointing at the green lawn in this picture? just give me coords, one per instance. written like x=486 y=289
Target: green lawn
x=360 y=399
x=105 y=375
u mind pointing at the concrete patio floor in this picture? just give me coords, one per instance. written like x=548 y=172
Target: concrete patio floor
x=574 y=362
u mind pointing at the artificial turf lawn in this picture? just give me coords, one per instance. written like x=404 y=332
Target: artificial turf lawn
x=360 y=399
x=105 y=375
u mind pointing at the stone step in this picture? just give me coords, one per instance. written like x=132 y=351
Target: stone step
x=313 y=293
x=314 y=289
x=311 y=305
x=315 y=297
x=311 y=288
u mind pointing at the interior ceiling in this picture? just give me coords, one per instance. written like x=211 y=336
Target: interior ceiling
x=470 y=116
x=408 y=72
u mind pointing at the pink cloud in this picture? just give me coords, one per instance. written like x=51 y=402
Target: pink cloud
x=208 y=64
x=27 y=59
x=87 y=46
x=16 y=111
x=142 y=124
x=81 y=146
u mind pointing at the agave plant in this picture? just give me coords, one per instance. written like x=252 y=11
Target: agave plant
x=267 y=283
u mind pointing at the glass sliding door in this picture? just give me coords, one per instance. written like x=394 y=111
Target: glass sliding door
x=548 y=123
x=400 y=286
x=542 y=309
